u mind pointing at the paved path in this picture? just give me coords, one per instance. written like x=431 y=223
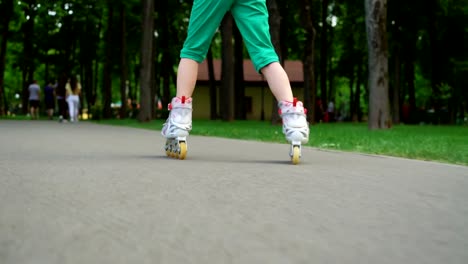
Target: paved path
x=111 y=196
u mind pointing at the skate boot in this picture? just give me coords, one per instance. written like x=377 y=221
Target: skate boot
x=177 y=127
x=295 y=126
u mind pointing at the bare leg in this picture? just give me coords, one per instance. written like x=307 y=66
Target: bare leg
x=186 y=77
x=278 y=82
x=50 y=113
x=31 y=111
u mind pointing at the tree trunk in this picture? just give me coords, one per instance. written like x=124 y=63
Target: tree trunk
x=28 y=51
x=409 y=80
x=239 y=89
x=95 y=68
x=324 y=54
x=146 y=61
x=396 y=88
x=7 y=7
x=213 y=93
x=356 y=117
x=107 y=71
x=275 y=29
x=376 y=21
x=310 y=89
x=435 y=52
x=352 y=93
x=227 y=91
x=123 y=60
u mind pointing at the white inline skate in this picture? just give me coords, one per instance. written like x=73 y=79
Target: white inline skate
x=177 y=127
x=295 y=126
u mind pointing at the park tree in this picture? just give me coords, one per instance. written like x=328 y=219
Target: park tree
x=376 y=25
x=308 y=59
x=123 y=59
x=427 y=53
x=239 y=91
x=352 y=62
x=108 y=62
x=324 y=47
x=227 y=69
x=146 y=61
x=6 y=12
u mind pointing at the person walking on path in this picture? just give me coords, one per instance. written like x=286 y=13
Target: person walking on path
x=73 y=90
x=61 y=98
x=251 y=17
x=34 y=99
x=49 y=99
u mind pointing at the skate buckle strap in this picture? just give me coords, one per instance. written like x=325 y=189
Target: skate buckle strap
x=183 y=99
x=294 y=105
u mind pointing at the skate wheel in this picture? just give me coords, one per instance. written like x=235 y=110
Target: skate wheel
x=182 y=150
x=296 y=155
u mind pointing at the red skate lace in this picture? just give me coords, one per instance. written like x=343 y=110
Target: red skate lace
x=294 y=103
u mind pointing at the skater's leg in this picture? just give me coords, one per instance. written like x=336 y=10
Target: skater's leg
x=205 y=17
x=278 y=82
x=186 y=77
x=251 y=17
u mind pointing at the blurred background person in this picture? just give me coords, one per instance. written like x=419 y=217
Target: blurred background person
x=73 y=90
x=34 y=95
x=49 y=99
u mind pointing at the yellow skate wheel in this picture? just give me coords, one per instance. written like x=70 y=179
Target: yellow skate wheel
x=295 y=158
x=182 y=150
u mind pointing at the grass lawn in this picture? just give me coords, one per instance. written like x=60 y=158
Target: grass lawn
x=424 y=142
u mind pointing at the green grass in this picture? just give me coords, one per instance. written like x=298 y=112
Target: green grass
x=447 y=144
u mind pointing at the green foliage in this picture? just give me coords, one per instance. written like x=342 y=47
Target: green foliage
x=68 y=38
x=96 y=111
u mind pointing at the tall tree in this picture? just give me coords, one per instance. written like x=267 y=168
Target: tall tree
x=146 y=61
x=213 y=88
x=376 y=25
x=227 y=69
x=108 y=64
x=123 y=61
x=310 y=89
x=239 y=106
x=6 y=12
x=324 y=53
x=28 y=66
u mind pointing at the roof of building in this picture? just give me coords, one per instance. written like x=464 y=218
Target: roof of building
x=292 y=68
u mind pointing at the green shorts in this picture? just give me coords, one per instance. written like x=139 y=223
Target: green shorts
x=251 y=17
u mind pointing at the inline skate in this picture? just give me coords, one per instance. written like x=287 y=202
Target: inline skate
x=177 y=127
x=295 y=126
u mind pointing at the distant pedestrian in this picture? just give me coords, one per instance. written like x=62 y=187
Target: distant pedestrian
x=49 y=98
x=34 y=96
x=331 y=111
x=61 y=99
x=73 y=91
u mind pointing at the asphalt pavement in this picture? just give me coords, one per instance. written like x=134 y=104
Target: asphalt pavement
x=89 y=193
